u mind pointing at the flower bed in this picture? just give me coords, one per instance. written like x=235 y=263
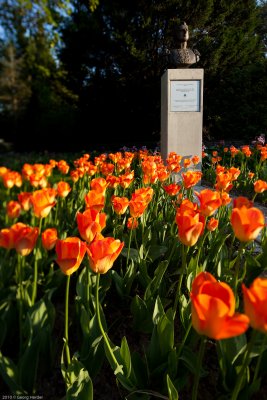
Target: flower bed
x=120 y=280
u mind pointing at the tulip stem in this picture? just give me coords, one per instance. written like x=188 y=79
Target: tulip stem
x=178 y=291
x=129 y=246
x=117 y=367
x=242 y=372
x=67 y=320
x=259 y=360
x=21 y=297
x=35 y=272
x=237 y=267
x=199 y=365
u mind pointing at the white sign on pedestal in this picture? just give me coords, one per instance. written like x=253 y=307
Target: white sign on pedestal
x=185 y=95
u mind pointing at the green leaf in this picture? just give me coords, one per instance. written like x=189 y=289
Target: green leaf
x=133 y=254
x=154 y=285
x=142 y=321
x=9 y=373
x=165 y=330
x=172 y=392
x=126 y=357
x=28 y=364
x=156 y=251
x=140 y=370
x=81 y=386
x=158 y=312
x=234 y=347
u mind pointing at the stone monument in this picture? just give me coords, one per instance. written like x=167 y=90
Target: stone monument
x=182 y=101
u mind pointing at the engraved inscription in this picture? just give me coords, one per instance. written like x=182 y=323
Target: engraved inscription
x=185 y=95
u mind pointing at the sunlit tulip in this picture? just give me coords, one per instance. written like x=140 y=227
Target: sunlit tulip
x=63 y=167
x=213 y=309
x=172 y=189
x=43 y=200
x=137 y=207
x=240 y=201
x=209 y=201
x=113 y=181
x=126 y=179
x=13 y=209
x=90 y=222
x=120 y=204
x=190 y=228
x=235 y=172
x=25 y=239
x=212 y=224
x=191 y=178
x=103 y=252
x=7 y=238
x=99 y=185
x=3 y=171
x=25 y=200
x=49 y=238
x=107 y=168
x=224 y=182
x=144 y=193
x=132 y=223
x=247 y=223
x=195 y=160
x=260 y=186
x=226 y=199
x=12 y=178
x=255 y=303
x=63 y=189
x=186 y=162
x=70 y=253
x=94 y=199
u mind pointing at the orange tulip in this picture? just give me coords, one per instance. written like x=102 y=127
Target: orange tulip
x=195 y=160
x=226 y=199
x=70 y=253
x=260 y=186
x=172 y=189
x=213 y=309
x=126 y=179
x=25 y=238
x=187 y=162
x=224 y=181
x=132 y=223
x=63 y=189
x=137 y=207
x=99 y=184
x=209 y=201
x=190 y=227
x=95 y=200
x=25 y=200
x=120 y=204
x=212 y=224
x=255 y=303
x=144 y=193
x=43 y=200
x=112 y=181
x=103 y=252
x=7 y=238
x=13 y=209
x=63 y=166
x=49 y=238
x=240 y=201
x=90 y=222
x=12 y=178
x=191 y=178
x=247 y=223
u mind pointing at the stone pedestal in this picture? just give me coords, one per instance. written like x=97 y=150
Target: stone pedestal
x=182 y=112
